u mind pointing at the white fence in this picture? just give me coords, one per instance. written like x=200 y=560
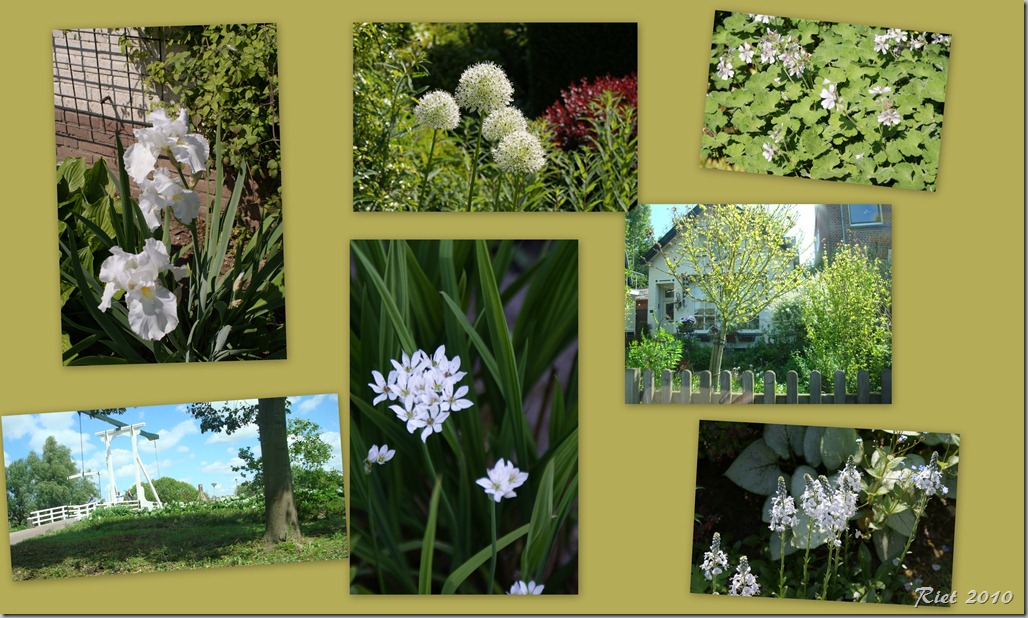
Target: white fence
x=73 y=511
x=640 y=388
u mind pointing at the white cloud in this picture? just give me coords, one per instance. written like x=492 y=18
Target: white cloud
x=219 y=467
x=334 y=440
x=182 y=448
x=246 y=432
x=171 y=437
x=306 y=405
x=17 y=427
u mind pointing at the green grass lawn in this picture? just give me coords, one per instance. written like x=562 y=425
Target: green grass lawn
x=169 y=541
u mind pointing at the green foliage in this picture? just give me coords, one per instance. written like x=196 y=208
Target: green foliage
x=764 y=119
x=638 y=240
x=38 y=482
x=658 y=352
x=890 y=507
x=384 y=70
x=230 y=306
x=509 y=310
x=169 y=490
x=318 y=492
x=399 y=165
x=847 y=312
x=227 y=76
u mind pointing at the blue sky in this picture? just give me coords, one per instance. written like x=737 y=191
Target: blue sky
x=661 y=220
x=182 y=452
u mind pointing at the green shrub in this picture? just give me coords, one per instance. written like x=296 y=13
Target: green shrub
x=658 y=352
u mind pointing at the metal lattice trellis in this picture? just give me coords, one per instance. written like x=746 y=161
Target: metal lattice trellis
x=97 y=86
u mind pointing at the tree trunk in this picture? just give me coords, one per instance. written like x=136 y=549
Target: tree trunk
x=280 y=518
x=715 y=356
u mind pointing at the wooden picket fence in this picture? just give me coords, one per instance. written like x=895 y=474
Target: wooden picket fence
x=73 y=511
x=639 y=388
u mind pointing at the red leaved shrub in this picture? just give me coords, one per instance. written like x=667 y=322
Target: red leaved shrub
x=569 y=117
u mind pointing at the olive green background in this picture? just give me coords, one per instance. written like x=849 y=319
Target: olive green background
x=958 y=286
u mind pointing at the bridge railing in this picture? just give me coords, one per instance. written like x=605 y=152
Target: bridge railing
x=74 y=511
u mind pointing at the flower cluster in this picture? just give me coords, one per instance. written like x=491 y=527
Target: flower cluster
x=425 y=388
x=502 y=480
x=520 y=152
x=744 y=582
x=896 y=41
x=170 y=137
x=830 y=508
x=520 y=587
x=715 y=561
x=484 y=87
x=783 y=509
x=152 y=308
x=929 y=478
x=502 y=122
x=437 y=110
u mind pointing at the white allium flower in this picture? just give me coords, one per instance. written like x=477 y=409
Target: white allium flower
x=783 y=509
x=502 y=122
x=929 y=478
x=437 y=110
x=380 y=455
x=715 y=561
x=889 y=117
x=828 y=97
x=520 y=152
x=744 y=582
x=152 y=309
x=424 y=388
x=520 y=587
x=502 y=480
x=484 y=87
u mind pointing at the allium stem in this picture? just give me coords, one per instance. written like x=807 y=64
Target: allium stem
x=428 y=169
x=474 y=167
x=492 y=562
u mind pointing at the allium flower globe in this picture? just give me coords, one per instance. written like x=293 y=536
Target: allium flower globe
x=520 y=152
x=437 y=110
x=484 y=87
x=502 y=122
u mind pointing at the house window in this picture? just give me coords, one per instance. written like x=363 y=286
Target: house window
x=667 y=299
x=705 y=315
x=866 y=214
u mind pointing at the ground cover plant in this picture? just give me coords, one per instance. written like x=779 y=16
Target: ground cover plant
x=469 y=141
x=798 y=97
x=464 y=417
x=824 y=513
x=172 y=251
x=179 y=536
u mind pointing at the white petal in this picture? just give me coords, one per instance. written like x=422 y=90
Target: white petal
x=139 y=162
x=193 y=150
x=153 y=311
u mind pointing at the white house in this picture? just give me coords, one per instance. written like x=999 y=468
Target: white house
x=670 y=306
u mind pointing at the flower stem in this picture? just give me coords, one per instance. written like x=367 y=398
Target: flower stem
x=781 y=568
x=474 y=167
x=806 y=561
x=517 y=192
x=828 y=570
x=374 y=540
x=492 y=562
x=428 y=169
x=922 y=504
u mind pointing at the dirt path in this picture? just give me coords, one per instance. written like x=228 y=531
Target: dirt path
x=21 y=535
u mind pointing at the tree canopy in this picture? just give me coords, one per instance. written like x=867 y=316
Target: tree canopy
x=38 y=482
x=737 y=257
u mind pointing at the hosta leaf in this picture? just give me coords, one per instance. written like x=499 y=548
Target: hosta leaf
x=812 y=445
x=756 y=469
x=837 y=444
